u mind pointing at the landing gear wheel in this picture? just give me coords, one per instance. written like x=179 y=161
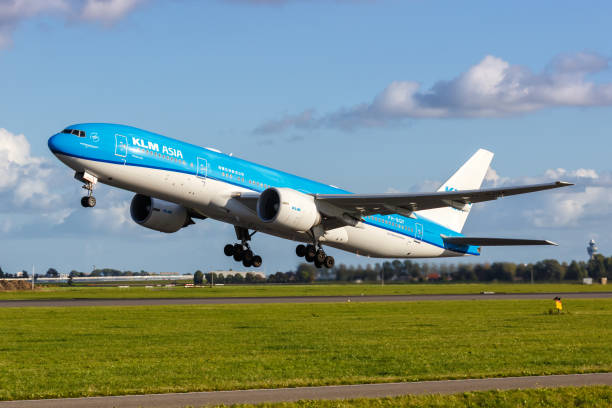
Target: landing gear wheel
x=317 y=263
x=320 y=256
x=246 y=263
x=88 y=201
x=248 y=256
x=311 y=252
x=228 y=250
x=257 y=261
x=329 y=262
x=309 y=257
x=300 y=250
x=238 y=253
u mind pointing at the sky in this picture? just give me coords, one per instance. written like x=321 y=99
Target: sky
x=372 y=96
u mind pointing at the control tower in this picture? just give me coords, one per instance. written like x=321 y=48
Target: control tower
x=592 y=249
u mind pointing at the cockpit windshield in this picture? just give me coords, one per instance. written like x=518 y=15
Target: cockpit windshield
x=79 y=133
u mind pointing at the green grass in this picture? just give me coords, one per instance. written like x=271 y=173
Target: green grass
x=567 y=397
x=69 y=352
x=65 y=292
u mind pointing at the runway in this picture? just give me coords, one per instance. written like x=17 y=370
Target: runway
x=198 y=399
x=297 y=299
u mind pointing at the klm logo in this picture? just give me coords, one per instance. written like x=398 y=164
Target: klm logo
x=295 y=208
x=170 y=151
x=145 y=145
x=447 y=188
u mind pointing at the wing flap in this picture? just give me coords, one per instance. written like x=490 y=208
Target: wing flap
x=483 y=241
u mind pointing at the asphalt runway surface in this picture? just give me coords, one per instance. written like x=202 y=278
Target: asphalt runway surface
x=198 y=399
x=297 y=299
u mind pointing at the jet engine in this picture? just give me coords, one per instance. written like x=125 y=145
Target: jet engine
x=158 y=214
x=288 y=209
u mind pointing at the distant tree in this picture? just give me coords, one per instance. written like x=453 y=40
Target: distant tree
x=548 y=270
x=24 y=274
x=503 y=271
x=575 y=271
x=238 y=278
x=306 y=273
x=596 y=267
x=1 y=273
x=198 y=277
x=70 y=282
x=52 y=273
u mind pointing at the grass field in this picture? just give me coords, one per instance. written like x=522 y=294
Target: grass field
x=63 y=352
x=568 y=397
x=79 y=292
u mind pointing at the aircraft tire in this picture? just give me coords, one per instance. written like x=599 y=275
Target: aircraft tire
x=309 y=257
x=228 y=250
x=320 y=256
x=317 y=263
x=248 y=255
x=329 y=262
x=300 y=250
x=88 y=201
x=311 y=252
x=257 y=261
x=246 y=263
x=238 y=252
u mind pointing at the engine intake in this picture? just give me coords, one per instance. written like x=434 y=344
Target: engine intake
x=287 y=208
x=158 y=215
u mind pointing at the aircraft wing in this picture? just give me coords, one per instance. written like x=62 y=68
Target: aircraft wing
x=480 y=241
x=406 y=204
x=337 y=206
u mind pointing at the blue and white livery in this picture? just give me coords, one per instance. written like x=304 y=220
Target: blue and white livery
x=176 y=182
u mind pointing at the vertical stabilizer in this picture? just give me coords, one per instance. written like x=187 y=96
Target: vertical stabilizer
x=468 y=177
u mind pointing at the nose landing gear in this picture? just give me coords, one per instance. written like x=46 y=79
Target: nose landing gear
x=242 y=252
x=90 y=181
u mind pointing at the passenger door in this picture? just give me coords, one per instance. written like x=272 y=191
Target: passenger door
x=418 y=232
x=202 y=170
x=121 y=147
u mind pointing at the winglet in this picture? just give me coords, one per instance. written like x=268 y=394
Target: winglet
x=563 y=184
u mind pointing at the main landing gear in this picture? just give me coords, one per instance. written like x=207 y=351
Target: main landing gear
x=90 y=181
x=312 y=254
x=242 y=252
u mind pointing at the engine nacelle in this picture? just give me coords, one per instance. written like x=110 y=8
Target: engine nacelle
x=158 y=214
x=288 y=209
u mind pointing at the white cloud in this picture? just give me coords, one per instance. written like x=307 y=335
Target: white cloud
x=24 y=179
x=12 y=12
x=491 y=88
x=579 y=173
x=108 y=10
x=301 y=121
x=588 y=201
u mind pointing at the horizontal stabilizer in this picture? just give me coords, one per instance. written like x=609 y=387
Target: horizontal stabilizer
x=480 y=241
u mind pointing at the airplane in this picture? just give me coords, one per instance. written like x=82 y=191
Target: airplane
x=176 y=182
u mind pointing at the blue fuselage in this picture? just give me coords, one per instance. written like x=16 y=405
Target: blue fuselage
x=131 y=147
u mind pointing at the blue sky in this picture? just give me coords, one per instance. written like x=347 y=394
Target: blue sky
x=373 y=96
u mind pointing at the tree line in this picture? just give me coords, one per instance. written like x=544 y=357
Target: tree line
x=305 y=273
x=410 y=271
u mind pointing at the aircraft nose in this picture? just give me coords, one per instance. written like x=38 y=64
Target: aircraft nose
x=55 y=143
